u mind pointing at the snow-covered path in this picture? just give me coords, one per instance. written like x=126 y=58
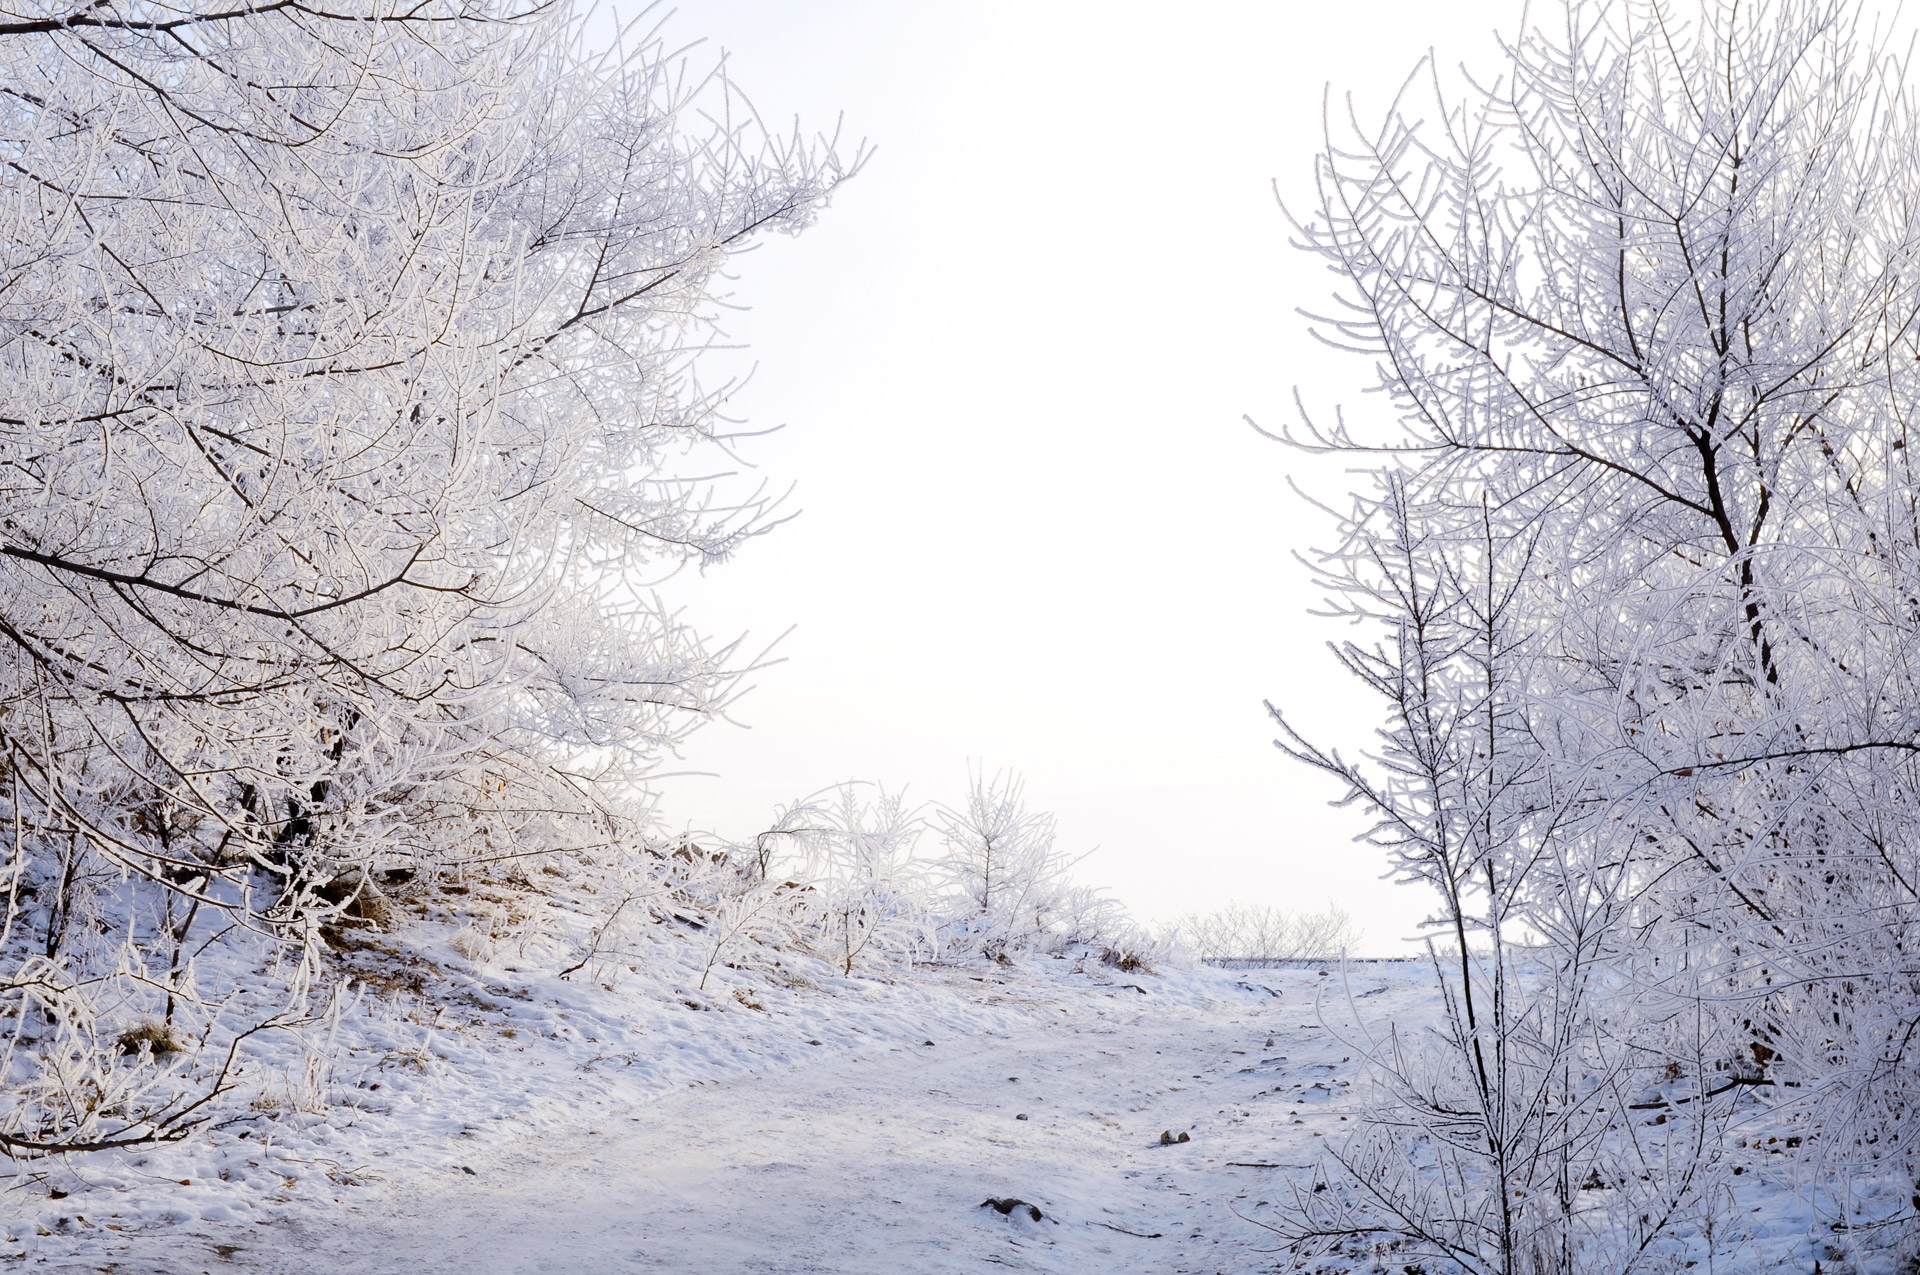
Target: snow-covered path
x=879 y=1160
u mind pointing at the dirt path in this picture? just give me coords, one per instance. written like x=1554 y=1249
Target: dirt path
x=879 y=1162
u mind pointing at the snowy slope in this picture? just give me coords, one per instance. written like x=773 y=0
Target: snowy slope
x=818 y=1132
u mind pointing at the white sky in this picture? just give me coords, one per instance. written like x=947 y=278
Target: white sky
x=1013 y=359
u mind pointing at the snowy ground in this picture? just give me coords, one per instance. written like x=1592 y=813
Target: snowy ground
x=636 y=1144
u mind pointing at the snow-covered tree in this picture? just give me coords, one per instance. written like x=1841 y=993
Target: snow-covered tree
x=1643 y=548
x=1005 y=874
x=1494 y=1130
x=867 y=888
x=348 y=418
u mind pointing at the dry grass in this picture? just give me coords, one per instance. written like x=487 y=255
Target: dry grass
x=157 y=1039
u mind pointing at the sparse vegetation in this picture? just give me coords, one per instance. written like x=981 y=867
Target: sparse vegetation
x=1253 y=934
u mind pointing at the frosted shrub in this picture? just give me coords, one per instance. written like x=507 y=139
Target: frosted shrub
x=860 y=892
x=1006 y=880
x=869 y=893
x=474 y=944
x=755 y=913
x=849 y=851
x=1260 y=932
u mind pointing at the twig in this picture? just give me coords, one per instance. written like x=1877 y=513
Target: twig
x=1124 y=1231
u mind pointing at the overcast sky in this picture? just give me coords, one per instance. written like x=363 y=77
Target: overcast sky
x=1013 y=360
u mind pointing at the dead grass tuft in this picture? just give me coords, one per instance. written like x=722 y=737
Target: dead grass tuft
x=157 y=1039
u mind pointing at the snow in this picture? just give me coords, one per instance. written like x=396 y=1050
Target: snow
x=625 y=1131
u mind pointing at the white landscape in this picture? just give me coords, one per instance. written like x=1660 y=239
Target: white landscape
x=388 y=510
